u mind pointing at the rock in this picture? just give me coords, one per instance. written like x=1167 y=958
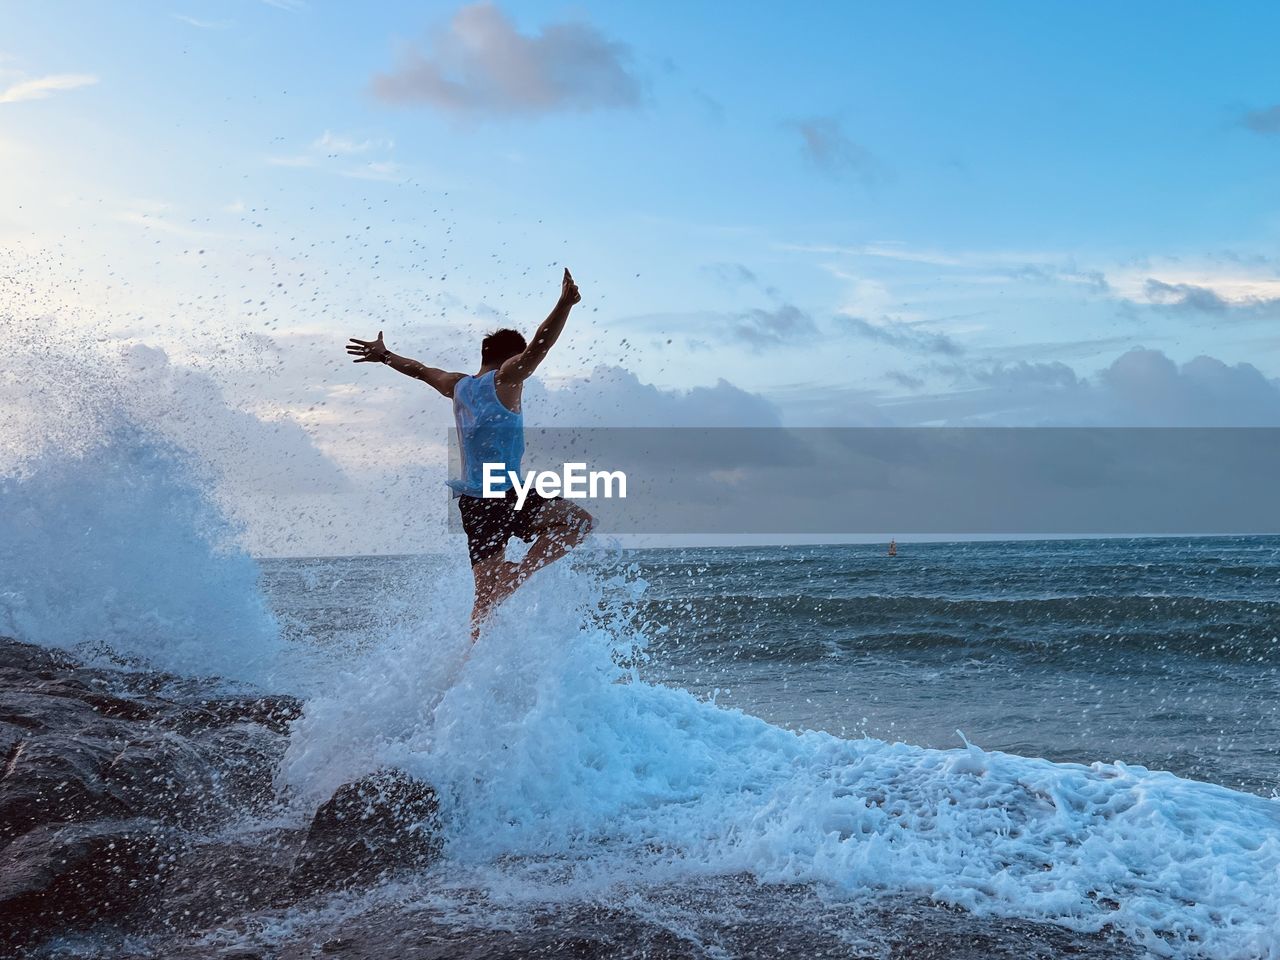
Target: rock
x=274 y=713
x=165 y=776
x=79 y=744
x=55 y=777
x=384 y=822
x=223 y=878
x=108 y=777
x=67 y=876
x=28 y=659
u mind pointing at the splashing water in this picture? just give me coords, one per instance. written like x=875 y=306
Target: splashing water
x=113 y=540
x=119 y=546
x=565 y=774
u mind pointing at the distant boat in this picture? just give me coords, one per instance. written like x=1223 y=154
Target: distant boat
x=893 y=548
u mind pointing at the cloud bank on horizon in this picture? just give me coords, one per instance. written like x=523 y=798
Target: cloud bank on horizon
x=857 y=217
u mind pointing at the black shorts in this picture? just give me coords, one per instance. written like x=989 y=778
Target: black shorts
x=490 y=522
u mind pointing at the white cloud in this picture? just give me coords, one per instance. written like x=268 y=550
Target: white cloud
x=292 y=161
x=905 y=336
x=152 y=221
x=382 y=170
x=763 y=328
x=334 y=153
x=1236 y=281
x=971 y=266
x=332 y=143
x=269 y=455
x=614 y=396
x=41 y=88
x=98 y=390
x=1140 y=388
x=202 y=24
x=482 y=64
x=1207 y=286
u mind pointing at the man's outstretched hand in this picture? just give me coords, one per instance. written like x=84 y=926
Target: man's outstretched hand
x=371 y=351
x=568 y=289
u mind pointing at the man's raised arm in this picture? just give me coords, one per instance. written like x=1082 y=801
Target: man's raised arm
x=519 y=367
x=375 y=351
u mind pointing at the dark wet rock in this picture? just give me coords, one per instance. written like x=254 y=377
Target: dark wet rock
x=385 y=822
x=725 y=918
x=220 y=879
x=107 y=775
x=55 y=777
x=60 y=876
x=83 y=744
x=274 y=713
x=29 y=660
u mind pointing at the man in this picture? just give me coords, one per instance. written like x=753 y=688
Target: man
x=490 y=422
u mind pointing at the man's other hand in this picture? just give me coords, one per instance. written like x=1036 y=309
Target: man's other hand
x=568 y=289
x=370 y=351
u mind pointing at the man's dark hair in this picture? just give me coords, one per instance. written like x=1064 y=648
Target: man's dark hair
x=500 y=346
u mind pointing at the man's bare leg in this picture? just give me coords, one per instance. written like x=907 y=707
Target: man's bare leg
x=493 y=583
x=561 y=527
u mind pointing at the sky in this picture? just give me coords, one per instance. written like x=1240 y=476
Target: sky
x=837 y=214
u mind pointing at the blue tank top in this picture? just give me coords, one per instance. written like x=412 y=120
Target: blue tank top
x=487 y=433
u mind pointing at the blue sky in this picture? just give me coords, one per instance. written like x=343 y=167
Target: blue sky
x=851 y=212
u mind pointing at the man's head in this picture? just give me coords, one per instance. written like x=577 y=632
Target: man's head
x=500 y=346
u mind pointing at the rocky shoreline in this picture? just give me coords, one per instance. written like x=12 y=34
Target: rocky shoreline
x=119 y=789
